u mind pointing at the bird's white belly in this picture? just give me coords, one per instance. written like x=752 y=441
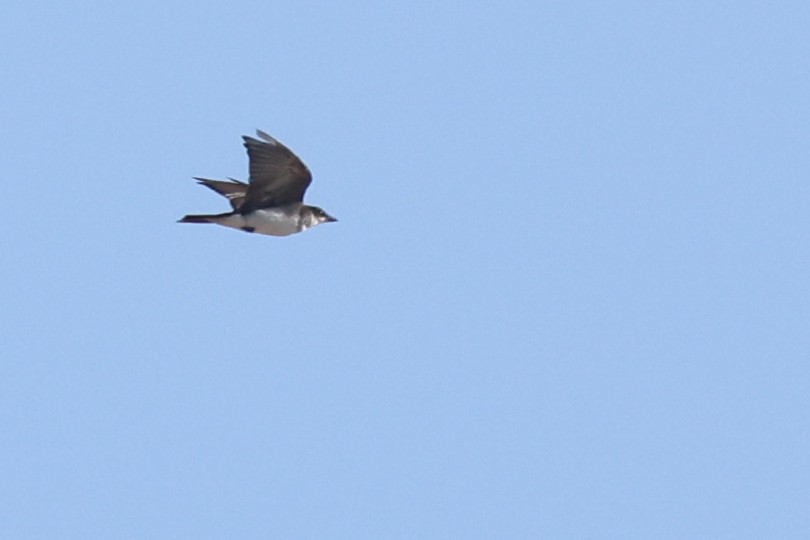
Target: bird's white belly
x=271 y=221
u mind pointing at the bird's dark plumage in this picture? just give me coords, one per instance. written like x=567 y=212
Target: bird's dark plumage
x=277 y=176
x=272 y=202
x=234 y=190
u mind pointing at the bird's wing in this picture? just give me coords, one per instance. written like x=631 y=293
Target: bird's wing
x=234 y=190
x=277 y=176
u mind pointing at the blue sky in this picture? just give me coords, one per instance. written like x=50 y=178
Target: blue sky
x=567 y=296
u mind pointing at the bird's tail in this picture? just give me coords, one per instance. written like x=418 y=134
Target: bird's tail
x=204 y=218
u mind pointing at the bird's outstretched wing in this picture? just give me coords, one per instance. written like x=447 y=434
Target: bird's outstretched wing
x=277 y=176
x=234 y=190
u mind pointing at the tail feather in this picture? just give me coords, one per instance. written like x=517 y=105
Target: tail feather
x=203 y=218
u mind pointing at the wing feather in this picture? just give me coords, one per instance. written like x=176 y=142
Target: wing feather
x=277 y=176
x=234 y=190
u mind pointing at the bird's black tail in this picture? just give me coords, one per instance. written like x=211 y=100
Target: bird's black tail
x=203 y=218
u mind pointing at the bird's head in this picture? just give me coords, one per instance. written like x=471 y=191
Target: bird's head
x=315 y=216
x=322 y=216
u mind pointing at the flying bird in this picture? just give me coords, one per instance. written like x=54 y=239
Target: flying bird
x=272 y=202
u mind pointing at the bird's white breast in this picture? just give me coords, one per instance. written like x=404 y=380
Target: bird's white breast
x=273 y=222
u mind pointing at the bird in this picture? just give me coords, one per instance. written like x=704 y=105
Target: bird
x=272 y=201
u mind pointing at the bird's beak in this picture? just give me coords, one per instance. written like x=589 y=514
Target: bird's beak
x=330 y=219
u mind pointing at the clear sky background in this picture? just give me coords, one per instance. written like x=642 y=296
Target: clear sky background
x=567 y=296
